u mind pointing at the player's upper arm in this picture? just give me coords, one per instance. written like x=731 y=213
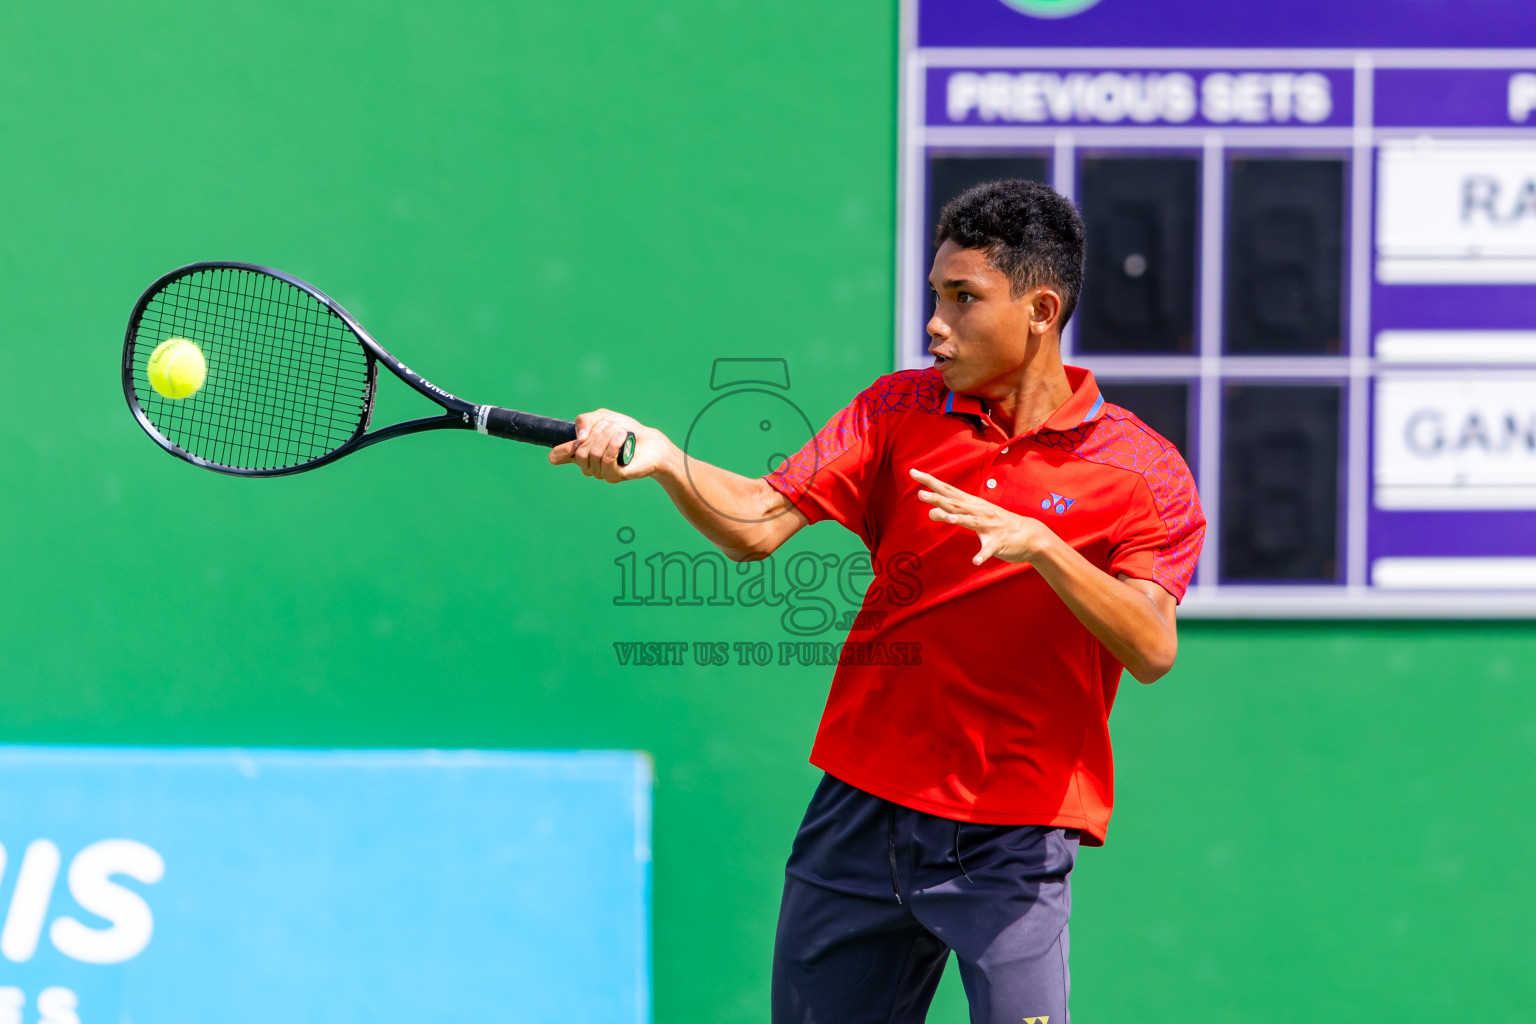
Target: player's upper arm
x=1160 y=644
x=1159 y=538
x=1162 y=602
x=832 y=475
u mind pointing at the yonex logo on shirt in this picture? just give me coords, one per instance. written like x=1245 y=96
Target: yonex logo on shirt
x=1057 y=504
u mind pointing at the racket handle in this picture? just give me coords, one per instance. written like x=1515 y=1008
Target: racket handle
x=541 y=430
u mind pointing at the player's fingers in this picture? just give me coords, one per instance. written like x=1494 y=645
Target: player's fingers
x=943 y=501
x=988 y=548
x=936 y=484
x=956 y=501
x=600 y=437
x=608 y=447
x=584 y=425
x=969 y=522
x=590 y=447
x=587 y=420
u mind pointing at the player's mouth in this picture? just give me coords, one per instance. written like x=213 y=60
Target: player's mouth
x=940 y=361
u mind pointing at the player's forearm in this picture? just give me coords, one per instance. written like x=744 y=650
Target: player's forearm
x=742 y=516
x=1124 y=619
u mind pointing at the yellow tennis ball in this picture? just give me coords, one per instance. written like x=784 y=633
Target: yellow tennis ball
x=177 y=368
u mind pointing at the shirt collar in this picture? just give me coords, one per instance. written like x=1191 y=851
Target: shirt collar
x=1085 y=405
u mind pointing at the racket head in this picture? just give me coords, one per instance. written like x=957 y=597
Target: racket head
x=291 y=376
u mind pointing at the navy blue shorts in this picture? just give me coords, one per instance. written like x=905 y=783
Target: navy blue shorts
x=876 y=895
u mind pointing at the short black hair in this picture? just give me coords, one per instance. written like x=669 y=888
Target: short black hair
x=1029 y=231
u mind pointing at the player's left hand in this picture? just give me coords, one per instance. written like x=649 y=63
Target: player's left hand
x=1004 y=534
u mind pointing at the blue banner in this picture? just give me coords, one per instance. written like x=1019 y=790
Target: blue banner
x=190 y=886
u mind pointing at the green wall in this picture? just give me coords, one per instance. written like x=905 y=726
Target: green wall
x=559 y=206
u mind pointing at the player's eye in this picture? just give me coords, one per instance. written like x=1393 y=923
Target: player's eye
x=965 y=297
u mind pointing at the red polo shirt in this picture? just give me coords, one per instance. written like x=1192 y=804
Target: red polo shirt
x=1004 y=717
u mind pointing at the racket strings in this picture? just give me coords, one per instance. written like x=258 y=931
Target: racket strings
x=287 y=381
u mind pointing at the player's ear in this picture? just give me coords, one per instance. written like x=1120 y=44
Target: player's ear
x=1046 y=311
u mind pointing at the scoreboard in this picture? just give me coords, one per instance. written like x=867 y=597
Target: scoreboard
x=1311 y=266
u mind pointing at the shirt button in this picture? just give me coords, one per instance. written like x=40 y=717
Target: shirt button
x=991 y=484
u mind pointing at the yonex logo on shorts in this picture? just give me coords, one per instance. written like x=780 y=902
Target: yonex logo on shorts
x=1037 y=1020
x=1056 y=503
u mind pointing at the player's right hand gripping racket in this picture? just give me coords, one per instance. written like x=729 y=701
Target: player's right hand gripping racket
x=291 y=376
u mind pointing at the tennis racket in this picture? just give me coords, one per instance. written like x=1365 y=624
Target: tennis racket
x=291 y=377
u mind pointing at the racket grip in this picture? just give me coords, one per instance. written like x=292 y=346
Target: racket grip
x=541 y=430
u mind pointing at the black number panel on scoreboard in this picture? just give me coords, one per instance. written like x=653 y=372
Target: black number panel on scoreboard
x=1312 y=270
x=1141 y=218
x=1284 y=263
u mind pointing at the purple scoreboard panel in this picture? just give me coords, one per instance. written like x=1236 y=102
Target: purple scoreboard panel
x=1311 y=265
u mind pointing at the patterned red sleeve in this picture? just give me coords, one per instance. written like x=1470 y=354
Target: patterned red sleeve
x=1161 y=534
x=831 y=476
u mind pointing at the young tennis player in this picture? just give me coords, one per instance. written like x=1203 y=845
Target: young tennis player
x=1052 y=535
